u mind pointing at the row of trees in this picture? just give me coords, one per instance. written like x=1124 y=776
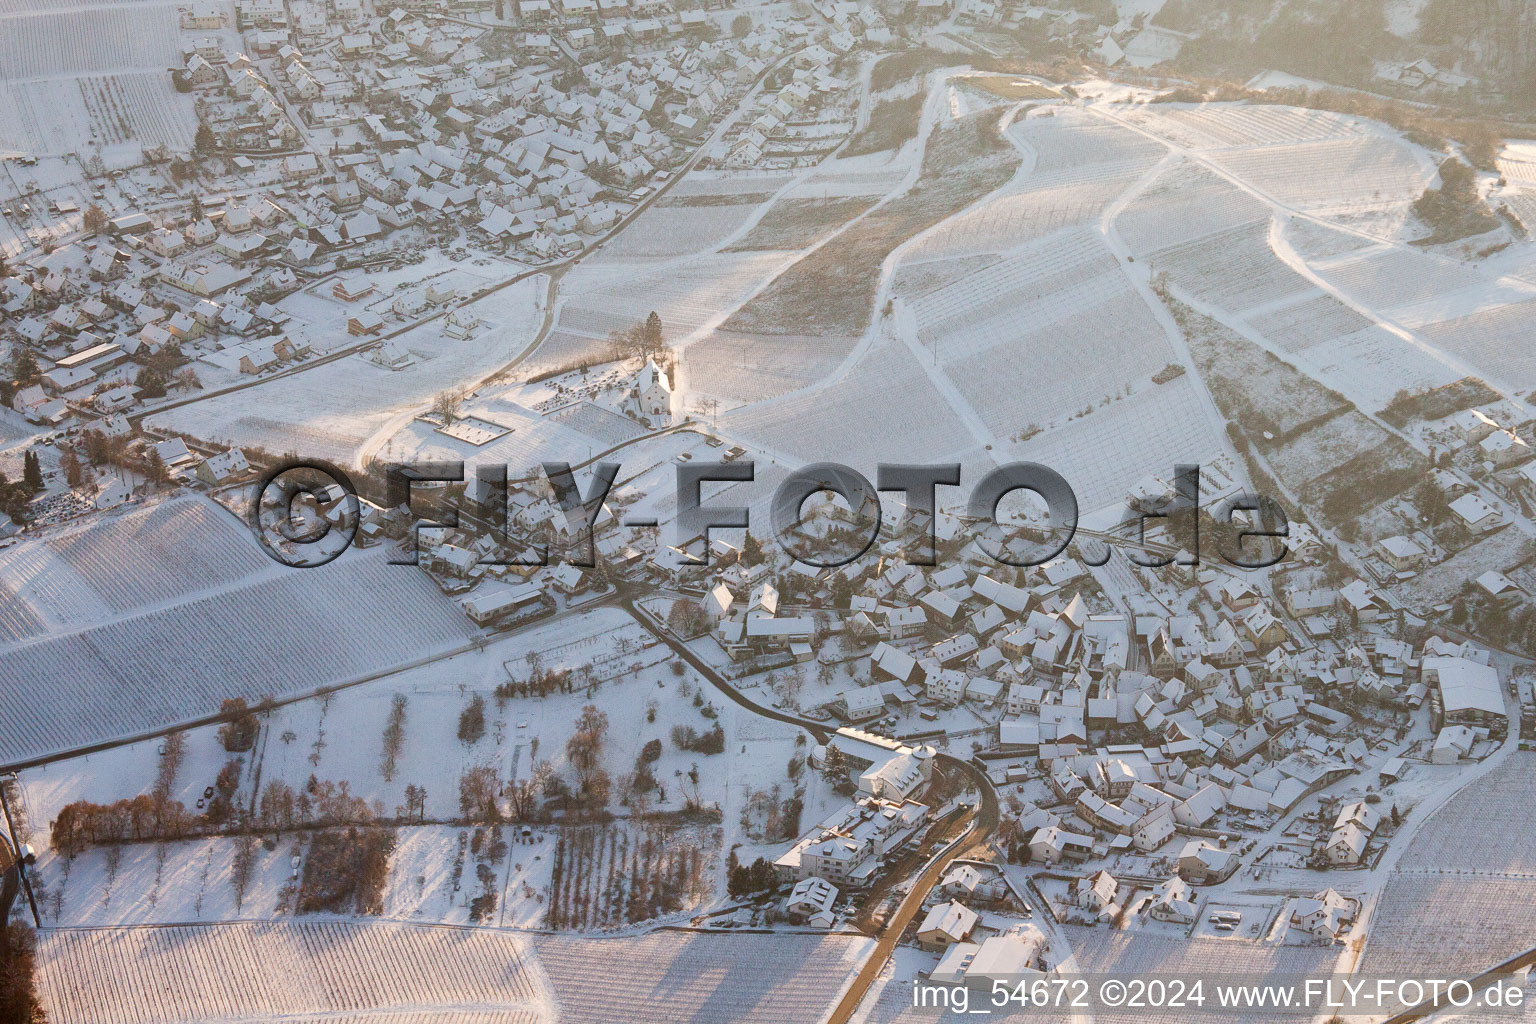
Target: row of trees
x=19 y=1002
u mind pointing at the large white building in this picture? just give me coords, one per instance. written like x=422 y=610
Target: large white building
x=882 y=767
x=846 y=847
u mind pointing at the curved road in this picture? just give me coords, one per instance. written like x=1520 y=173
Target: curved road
x=979 y=831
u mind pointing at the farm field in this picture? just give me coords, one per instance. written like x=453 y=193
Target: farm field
x=149 y=555
x=860 y=413
x=965 y=160
x=1432 y=922
x=116 y=38
x=242 y=970
x=1454 y=840
x=687 y=294
x=1105 y=951
x=1314 y=319
x=1104 y=454
x=1358 y=358
x=1344 y=174
x=1078 y=164
x=380 y=971
x=679 y=977
x=1184 y=203
x=1046 y=369
x=799 y=223
x=1229 y=125
x=1235 y=269
x=748 y=368
x=668 y=231
x=609 y=876
x=150 y=668
x=1495 y=340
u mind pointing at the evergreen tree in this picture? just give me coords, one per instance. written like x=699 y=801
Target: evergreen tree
x=204 y=142
x=32 y=472
x=651 y=333
x=24 y=368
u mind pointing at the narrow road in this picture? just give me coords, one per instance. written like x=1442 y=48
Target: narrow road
x=982 y=827
x=980 y=830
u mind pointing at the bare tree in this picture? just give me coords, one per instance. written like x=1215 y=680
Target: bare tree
x=446 y=405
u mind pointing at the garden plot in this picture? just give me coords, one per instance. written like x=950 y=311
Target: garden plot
x=1496 y=340
x=243 y=971
x=1517 y=164
x=1104 y=454
x=1442 y=925
x=743 y=368
x=1235 y=269
x=1186 y=202
x=1369 y=171
x=140 y=107
x=331 y=411
x=80 y=577
x=883 y=409
x=277 y=632
x=686 y=295
x=678 y=977
x=1490 y=826
x=1312 y=321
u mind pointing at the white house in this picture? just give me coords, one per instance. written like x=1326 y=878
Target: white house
x=1476 y=514
x=810 y=902
x=945 y=925
x=1323 y=915
x=1202 y=862
x=1347 y=845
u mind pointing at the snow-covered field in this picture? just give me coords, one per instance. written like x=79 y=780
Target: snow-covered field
x=338 y=970
x=91 y=79
x=94 y=653
x=1443 y=925
x=302 y=970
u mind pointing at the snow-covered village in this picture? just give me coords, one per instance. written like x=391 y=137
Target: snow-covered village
x=401 y=405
